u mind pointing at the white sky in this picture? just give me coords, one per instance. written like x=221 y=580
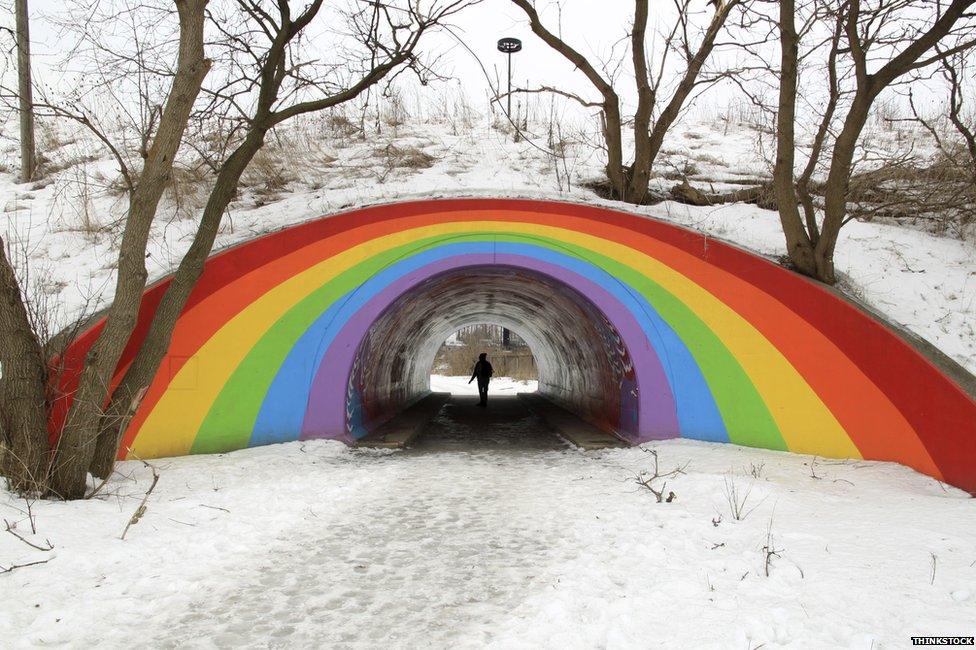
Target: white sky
x=591 y=26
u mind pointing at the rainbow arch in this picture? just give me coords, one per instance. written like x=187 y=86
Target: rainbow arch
x=649 y=330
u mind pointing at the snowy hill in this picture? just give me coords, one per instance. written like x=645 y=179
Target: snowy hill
x=66 y=225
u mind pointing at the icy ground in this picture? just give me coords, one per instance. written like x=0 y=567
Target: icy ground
x=506 y=545
x=499 y=385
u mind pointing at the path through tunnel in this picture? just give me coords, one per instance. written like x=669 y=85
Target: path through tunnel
x=584 y=365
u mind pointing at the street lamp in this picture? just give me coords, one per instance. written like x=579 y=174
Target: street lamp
x=509 y=46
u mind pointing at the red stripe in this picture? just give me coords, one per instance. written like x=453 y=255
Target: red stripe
x=941 y=412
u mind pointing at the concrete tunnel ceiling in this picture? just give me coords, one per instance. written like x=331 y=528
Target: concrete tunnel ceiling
x=582 y=361
x=285 y=337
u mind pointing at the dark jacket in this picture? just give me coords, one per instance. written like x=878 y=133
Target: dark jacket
x=482 y=370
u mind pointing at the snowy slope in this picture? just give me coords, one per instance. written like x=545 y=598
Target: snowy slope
x=318 y=545
x=66 y=229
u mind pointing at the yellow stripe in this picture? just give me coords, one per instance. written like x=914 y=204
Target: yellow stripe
x=805 y=422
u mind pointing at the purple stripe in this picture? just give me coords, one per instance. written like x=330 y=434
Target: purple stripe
x=326 y=411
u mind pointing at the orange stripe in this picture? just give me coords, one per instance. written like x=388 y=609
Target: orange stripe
x=879 y=429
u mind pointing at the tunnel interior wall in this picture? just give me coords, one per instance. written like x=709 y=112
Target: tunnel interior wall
x=582 y=362
x=725 y=346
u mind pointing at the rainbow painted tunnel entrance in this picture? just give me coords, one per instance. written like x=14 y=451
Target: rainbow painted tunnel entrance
x=329 y=328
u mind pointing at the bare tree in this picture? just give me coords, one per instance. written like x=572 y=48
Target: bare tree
x=656 y=112
x=953 y=69
x=874 y=45
x=68 y=467
x=275 y=74
x=23 y=416
x=28 y=158
x=263 y=82
x=961 y=150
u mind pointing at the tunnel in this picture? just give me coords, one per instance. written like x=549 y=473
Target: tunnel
x=583 y=363
x=327 y=329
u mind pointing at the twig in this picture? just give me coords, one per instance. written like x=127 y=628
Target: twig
x=10 y=529
x=141 y=510
x=8 y=569
x=813 y=474
x=646 y=480
x=770 y=550
x=737 y=500
x=177 y=521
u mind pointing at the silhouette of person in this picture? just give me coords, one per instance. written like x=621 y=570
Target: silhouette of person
x=482 y=372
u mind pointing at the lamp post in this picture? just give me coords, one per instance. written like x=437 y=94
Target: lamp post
x=509 y=46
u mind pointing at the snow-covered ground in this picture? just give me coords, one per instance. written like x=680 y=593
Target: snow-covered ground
x=457 y=385
x=319 y=545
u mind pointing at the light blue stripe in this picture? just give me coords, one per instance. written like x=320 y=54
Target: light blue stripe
x=284 y=405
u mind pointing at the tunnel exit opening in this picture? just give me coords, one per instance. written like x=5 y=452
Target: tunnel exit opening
x=508 y=352
x=580 y=359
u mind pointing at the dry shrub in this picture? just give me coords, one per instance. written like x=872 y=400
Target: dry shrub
x=517 y=363
x=679 y=170
x=514 y=361
x=47 y=166
x=395 y=113
x=340 y=125
x=188 y=188
x=393 y=158
x=406 y=157
x=269 y=173
x=938 y=196
x=708 y=159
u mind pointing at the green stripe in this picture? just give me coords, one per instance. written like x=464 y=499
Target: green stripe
x=745 y=415
x=231 y=418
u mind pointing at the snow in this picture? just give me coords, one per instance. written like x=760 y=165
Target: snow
x=458 y=385
x=923 y=281
x=315 y=544
x=318 y=545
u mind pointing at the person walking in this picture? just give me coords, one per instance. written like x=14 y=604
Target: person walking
x=482 y=372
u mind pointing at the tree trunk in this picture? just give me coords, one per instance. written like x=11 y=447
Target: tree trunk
x=648 y=142
x=23 y=413
x=640 y=173
x=157 y=341
x=154 y=347
x=611 y=102
x=615 y=152
x=869 y=85
x=798 y=244
x=28 y=159
x=76 y=443
x=835 y=188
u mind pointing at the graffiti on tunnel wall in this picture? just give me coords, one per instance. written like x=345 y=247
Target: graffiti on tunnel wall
x=583 y=362
x=724 y=345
